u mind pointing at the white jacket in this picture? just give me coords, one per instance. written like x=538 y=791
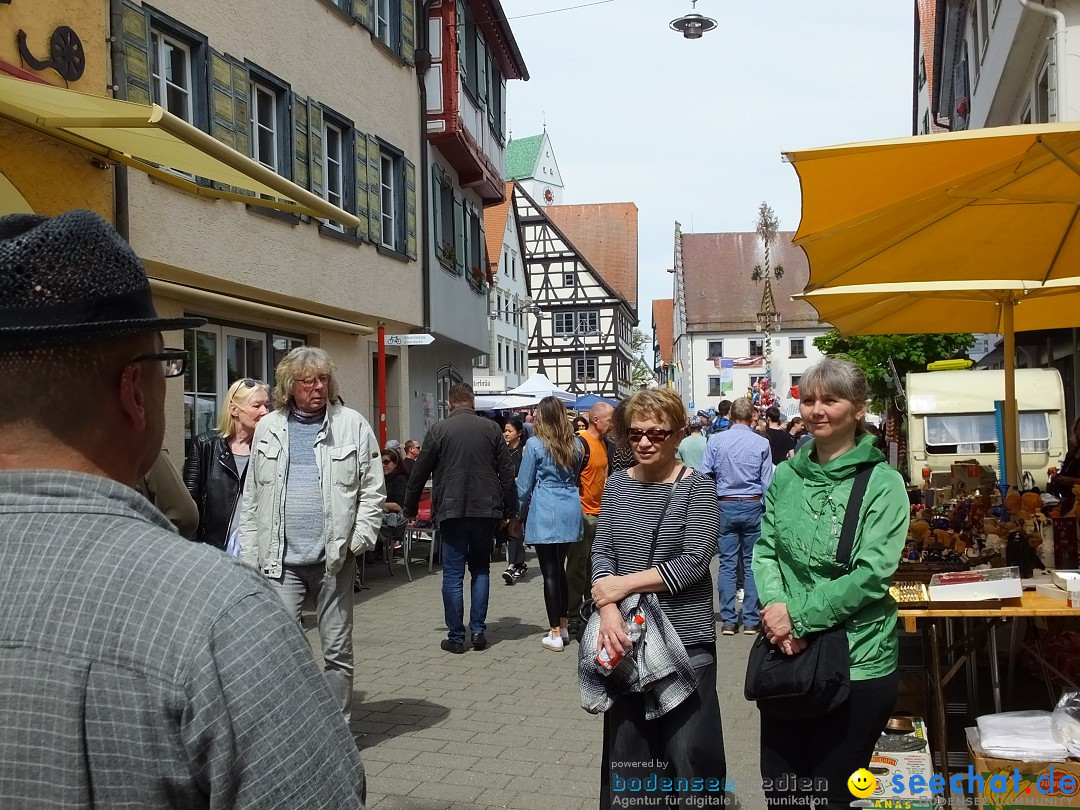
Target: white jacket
x=353 y=491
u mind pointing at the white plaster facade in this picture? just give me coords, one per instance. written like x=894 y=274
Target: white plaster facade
x=269 y=282
x=792 y=352
x=508 y=299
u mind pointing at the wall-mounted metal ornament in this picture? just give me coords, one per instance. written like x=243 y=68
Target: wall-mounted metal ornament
x=66 y=54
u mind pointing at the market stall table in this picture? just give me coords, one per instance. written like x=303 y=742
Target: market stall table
x=1029 y=605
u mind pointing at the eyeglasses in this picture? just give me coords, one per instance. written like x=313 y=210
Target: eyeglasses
x=250 y=383
x=174 y=361
x=307 y=385
x=656 y=435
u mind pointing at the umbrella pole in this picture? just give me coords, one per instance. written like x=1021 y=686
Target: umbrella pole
x=1011 y=475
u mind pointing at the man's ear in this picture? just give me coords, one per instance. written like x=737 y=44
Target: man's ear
x=132 y=397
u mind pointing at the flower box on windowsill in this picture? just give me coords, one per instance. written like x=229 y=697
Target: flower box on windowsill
x=478 y=280
x=447 y=256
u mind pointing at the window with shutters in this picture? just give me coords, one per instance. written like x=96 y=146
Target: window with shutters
x=338 y=164
x=387 y=23
x=392 y=198
x=270 y=139
x=171 y=71
x=475 y=249
x=446 y=239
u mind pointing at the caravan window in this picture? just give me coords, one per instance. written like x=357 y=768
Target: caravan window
x=962 y=434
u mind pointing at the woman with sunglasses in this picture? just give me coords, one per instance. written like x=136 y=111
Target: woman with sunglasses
x=548 y=476
x=657 y=535
x=214 y=471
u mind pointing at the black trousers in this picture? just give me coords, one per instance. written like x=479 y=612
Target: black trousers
x=824 y=751
x=683 y=745
x=552 y=559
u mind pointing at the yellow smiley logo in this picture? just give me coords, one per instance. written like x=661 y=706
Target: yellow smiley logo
x=861 y=783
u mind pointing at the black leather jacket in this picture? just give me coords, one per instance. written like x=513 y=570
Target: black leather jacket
x=211 y=478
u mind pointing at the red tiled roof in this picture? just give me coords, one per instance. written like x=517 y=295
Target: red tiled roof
x=494 y=228
x=607 y=235
x=720 y=296
x=663 y=315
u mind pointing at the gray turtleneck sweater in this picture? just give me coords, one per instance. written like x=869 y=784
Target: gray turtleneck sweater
x=305 y=541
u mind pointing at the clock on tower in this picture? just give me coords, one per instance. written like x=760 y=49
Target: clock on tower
x=549 y=196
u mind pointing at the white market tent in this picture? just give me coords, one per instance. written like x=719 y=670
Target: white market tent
x=528 y=393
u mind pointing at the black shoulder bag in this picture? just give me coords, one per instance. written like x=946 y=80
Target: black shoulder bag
x=817 y=680
x=588 y=607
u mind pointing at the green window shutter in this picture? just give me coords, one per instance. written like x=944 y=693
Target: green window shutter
x=374 y=179
x=229 y=89
x=410 y=210
x=408 y=30
x=460 y=225
x=364 y=229
x=137 y=53
x=301 y=176
x=316 y=134
x=363 y=12
x=481 y=68
x=436 y=208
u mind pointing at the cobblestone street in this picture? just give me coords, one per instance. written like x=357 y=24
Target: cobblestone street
x=502 y=727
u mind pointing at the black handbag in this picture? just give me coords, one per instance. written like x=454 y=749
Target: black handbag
x=588 y=607
x=817 y=680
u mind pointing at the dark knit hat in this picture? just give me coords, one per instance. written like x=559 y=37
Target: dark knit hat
x=71 y=278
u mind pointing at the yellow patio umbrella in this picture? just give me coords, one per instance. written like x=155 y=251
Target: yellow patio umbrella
x=11 y=201
x=963 y=231
x=928 y=307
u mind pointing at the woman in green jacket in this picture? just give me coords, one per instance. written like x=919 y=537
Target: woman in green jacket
x=793 y=562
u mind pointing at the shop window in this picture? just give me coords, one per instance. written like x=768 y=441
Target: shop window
x=221 y=354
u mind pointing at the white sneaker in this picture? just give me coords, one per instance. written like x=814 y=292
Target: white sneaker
x=564 y=634
x=553 y=644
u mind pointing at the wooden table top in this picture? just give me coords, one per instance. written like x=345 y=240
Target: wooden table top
x=1030 y=604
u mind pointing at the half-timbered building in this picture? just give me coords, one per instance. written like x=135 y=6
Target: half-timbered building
x=581 y=327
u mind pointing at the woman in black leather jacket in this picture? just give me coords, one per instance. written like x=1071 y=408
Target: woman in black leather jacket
x=214 y=471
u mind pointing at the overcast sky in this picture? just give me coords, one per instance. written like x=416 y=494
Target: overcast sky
x=692 y=130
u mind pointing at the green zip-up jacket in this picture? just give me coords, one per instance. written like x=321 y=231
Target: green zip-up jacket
x=795 y=557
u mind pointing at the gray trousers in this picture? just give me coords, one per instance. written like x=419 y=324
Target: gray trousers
x=333 y=597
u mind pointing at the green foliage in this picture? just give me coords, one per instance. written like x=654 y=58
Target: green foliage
x=641 y=372
x=909 y=353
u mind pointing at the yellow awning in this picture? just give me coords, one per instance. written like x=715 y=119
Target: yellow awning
x=11 y=201
x=149 y=139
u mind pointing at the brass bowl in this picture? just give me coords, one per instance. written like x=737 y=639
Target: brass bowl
x=900 y=725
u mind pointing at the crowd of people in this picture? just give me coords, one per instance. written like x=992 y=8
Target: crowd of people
x=214 y=698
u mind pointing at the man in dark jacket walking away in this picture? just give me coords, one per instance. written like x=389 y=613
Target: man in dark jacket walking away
x=473 y=489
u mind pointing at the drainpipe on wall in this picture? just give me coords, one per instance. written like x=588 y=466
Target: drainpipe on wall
x=422 y=57
x=119 y=89
x=1059 y=53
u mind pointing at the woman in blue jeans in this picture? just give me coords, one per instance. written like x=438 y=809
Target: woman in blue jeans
x=548 y=475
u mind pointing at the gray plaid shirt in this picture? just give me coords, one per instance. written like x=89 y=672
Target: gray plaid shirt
x=140 y=670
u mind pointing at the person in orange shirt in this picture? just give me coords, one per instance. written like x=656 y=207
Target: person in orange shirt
x=591 y=482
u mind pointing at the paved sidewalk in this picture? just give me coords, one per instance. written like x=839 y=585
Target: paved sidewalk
x=502 y=727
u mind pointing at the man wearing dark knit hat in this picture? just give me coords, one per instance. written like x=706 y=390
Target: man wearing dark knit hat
x=135 y=669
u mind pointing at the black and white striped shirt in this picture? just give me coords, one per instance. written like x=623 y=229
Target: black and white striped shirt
x=685 y=547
